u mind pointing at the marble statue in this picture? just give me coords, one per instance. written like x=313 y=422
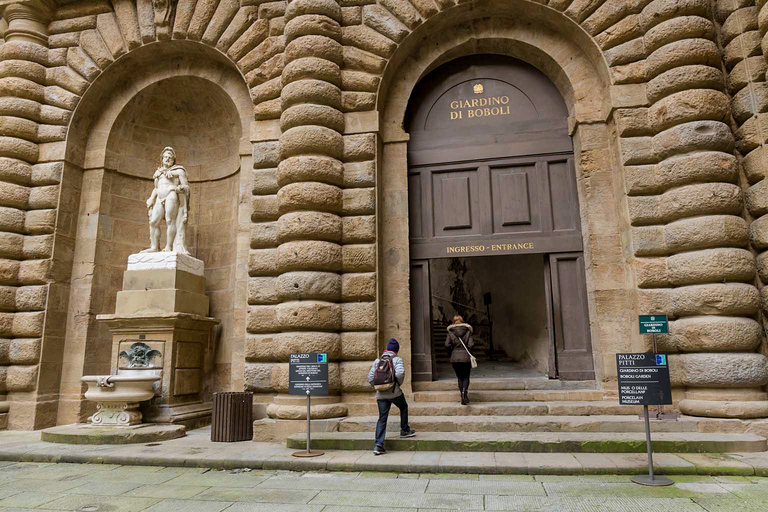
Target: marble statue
x=169 y=200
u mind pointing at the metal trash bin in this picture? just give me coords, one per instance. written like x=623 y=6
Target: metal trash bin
x=232 y=417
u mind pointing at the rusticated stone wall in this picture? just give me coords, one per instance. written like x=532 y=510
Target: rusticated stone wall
x=666 y=100
x=689 y=236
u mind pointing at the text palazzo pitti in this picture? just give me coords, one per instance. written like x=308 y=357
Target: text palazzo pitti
x=480 y=107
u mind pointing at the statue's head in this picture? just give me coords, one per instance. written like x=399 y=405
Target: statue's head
x=168 y=156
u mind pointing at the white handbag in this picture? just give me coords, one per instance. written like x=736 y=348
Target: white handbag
x=472 y=359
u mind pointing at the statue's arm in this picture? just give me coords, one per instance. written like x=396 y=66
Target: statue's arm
x=183 y=182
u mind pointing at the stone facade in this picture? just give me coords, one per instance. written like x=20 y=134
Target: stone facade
x=289 y=118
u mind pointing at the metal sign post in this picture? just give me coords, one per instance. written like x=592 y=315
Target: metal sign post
x=308 y=373
x=644 y=380
x=653 y=325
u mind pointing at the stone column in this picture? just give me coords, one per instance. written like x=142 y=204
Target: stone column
x=309 y=201
x=27 y=213
x=690 y=237
x=756 y=159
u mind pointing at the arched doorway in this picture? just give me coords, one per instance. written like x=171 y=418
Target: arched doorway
x=494 y=226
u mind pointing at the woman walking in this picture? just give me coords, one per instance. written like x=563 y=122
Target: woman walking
x=459 y=341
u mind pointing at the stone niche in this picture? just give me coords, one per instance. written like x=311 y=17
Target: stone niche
x=202 y=123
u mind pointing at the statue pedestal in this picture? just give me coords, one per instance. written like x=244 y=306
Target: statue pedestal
x=160 y=326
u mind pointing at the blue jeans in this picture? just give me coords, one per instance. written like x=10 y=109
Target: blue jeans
x=384 y=406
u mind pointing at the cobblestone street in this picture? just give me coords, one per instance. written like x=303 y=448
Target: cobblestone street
x=101 y=488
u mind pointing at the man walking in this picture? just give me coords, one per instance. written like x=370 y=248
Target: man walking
x=389 y=369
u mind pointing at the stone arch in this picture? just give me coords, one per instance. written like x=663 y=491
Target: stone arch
x=106 y=128
x=575 y=64
x=108 y=95
x=534 y=33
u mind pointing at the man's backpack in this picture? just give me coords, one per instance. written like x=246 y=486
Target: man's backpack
x=384 y=374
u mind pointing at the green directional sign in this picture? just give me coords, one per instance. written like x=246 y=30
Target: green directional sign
x=654 y=324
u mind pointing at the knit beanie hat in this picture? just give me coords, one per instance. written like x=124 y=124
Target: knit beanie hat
x=393 y=345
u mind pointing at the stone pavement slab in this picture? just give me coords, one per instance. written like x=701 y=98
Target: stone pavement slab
x=205 y=490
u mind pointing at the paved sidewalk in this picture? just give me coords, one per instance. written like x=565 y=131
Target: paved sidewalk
x=196 y=450
x=102 y=488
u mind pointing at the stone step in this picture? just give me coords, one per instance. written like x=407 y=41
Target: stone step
x=538 y=442
x=454 y=408
x=522 y=424
x=508 y=384
x=510 y=395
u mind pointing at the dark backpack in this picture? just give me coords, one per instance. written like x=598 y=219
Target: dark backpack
x=384 y=374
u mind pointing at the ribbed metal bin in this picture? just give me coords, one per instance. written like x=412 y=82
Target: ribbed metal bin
x=232 y=417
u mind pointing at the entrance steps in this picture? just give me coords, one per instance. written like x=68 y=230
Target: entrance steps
x=532 y=415
x=561 y=442
x=526 y=408
x=549 y=424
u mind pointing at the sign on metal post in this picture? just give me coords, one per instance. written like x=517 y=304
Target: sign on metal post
x=644 y=380
x=308 y=375
x=654 y=324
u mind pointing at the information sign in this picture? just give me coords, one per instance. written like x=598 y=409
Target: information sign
x=643 y=379
x=308 y=374
x=654 y=324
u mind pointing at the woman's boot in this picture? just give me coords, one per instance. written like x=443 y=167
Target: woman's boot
x=463 y=396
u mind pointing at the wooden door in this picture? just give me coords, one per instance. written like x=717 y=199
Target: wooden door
x=570 y=314
x=421 y=322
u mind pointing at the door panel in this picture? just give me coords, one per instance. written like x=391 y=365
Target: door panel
x=421 y=322
x=513 y=189
x=455 y=203
x=571 y=317
x=565 y=206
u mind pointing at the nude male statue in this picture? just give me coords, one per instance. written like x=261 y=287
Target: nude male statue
x=169 y=200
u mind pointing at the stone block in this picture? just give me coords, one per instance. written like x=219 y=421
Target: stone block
x=354 y=376
x=262 y=291
x=160 y=279
x=24 y=351
x=683 y=78
x=728 y=370
x=21 y=378
x=325 y=286
x=278 y=347
x=712 y=334
x=310 y=255
x=359 y=316
x=262 y=262
x=131 y=302
x=359 y=229
x=359 y=346
x=359 y=258
x=310 y=168
x=358 y=286
x=262 y=319
x=309 y=315
x=310 y=225
x=166 y=260
x=314 y=196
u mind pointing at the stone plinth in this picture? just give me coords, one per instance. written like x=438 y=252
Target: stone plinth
x=160 y=326
x=94 y=434
x=165 y=282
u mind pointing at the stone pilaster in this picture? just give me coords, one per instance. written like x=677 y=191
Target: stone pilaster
x=309 y=200
x=27 y=213
x=689 y=238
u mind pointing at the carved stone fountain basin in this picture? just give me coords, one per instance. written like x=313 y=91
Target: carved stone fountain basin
x=117 y=397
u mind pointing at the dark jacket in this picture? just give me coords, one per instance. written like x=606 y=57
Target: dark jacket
x=458 y=354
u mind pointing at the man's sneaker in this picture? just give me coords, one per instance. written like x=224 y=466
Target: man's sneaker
x=378 y=450
x=408 y=433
